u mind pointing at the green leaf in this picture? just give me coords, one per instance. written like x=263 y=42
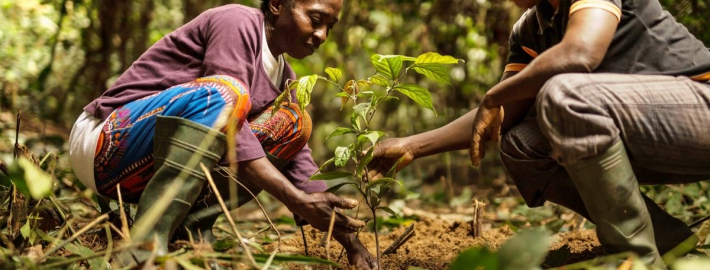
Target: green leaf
x=185 y=263
x=334 y=73
x=331 y=160
x=363 y=83
x=362 y=109
x=476 y=258
x=393 y=170
x=379 y=80
x=340 y=131
x=95 y=263
x=432 y=57
x=436 y=72
x=374 y=199
x=388 y=66
x=382 y=182
x=342 y=154
x=388 y=210
x=39 y=182
x=331 y=175
x=365 y=160
x=365 y=94
x=304 y=89
x=355 y=121
x=25 y=230
x=342 y=95
x=419 y=94
x=335 y=188
x=525 y=250
x=432 y=65
x=284 y=96
x=375 y=136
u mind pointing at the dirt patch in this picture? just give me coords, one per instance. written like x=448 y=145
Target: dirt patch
x=437 y=243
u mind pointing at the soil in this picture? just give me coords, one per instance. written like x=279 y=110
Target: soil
x=436 y=244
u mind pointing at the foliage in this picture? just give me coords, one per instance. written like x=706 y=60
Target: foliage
x=525 y=250
x=390 y=71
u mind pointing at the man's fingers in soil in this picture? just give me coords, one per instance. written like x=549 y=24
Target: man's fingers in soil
x=341 y=202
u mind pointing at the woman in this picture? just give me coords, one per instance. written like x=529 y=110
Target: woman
x=170 y=111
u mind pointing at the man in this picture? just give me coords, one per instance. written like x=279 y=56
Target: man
x=169 y=112
x=599 y=96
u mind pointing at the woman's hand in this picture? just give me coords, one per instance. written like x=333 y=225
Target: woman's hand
x=317 y=209
x=488 y=120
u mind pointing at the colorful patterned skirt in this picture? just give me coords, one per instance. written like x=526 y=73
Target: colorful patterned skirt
x=124 y=152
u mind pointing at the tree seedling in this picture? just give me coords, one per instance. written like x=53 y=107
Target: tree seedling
x=390 y=71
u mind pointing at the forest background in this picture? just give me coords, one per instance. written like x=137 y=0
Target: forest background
x=58 y=55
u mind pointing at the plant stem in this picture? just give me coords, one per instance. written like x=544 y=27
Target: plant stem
x=377 y=238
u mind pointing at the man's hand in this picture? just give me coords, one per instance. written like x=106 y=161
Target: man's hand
x=386 y=154
x=317 y=209
x=488 y=120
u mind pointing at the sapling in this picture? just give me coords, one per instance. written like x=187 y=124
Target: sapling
x=390 y=71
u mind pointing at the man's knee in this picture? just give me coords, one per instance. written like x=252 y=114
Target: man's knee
x=558 y=91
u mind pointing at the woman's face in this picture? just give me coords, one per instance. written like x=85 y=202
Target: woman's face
x=303 y=25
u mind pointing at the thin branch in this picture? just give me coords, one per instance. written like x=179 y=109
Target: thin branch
x=263 y=210
x=226 y=213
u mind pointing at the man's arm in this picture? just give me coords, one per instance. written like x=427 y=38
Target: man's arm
x=589 y=34
x=582 y=49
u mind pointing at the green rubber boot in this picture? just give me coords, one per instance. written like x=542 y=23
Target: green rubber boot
x=180 y=145
x=611 y=194
x=199 y=222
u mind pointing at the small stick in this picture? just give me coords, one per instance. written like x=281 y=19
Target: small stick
x=122 y=212
x=109 y=245
x=118 y=231
x=326 y=240
x=263 y=210
x=476 y=224
x=258 y=232
x=17 y=133
x=408 y=233
x=226 y=213
x=700 y=221
x=305 y=242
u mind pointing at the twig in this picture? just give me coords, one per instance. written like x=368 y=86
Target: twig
x=61 y=210
x=226 y=213
x=124 y=220
x=269 y=261
x=73 y=237
x=109 y=237
x=325 y=242
x=476 y=224
x=17 y=133
x=258 y=232
x=408 y=233
x=118 y=231
x=377 y=238
x=263 y=210
x=700 y=221
x=305 y=242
